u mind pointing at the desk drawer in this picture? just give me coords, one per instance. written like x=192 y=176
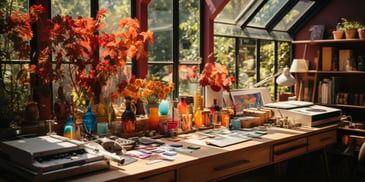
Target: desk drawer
x=168 y=176
x=289 y=149
x=321 y=140
x=224 y=164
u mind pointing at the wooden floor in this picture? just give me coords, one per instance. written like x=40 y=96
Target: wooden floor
x=308 y=168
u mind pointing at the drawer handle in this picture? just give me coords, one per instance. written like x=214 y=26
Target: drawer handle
x=231 y=165
x=289 y=149
x=324 y=139
x=154 y=175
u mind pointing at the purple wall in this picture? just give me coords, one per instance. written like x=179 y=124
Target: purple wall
x=329 y=16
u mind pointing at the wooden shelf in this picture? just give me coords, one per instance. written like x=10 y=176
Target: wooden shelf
x=344 y=105
x=337 y=72
x=329 y=41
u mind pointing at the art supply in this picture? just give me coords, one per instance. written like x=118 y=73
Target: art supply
x=102 y=128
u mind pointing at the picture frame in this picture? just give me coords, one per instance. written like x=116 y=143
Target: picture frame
x=317 y=32
x=247 y=98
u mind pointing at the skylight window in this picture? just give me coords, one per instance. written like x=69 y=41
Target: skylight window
x=266 y=13
x=234 y=10
x=293 y=15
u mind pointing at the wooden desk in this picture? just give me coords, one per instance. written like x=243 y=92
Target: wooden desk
x=213 y=163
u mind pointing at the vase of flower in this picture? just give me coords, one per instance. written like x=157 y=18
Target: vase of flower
x=147 y=107
x=210 y=95
x=214 y=78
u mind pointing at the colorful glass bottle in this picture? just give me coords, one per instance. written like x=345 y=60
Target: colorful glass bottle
x=154 y=118
x=216 y=114
x=69 y=129
x=215 y=106
x=182 y=106
x=89 y=120
x=128 y=119
x=198 y=119
x=164 y=107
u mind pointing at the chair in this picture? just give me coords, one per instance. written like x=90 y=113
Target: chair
x=359 y=171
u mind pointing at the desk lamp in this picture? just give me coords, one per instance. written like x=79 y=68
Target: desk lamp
x=285 y=78
x=298 y=66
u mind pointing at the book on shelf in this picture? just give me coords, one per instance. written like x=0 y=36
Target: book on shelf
x=328 y=89
x=345 y=56
x=306 y=90
x=329 y=59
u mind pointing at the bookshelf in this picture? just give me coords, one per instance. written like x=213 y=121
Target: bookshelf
x=345 y=76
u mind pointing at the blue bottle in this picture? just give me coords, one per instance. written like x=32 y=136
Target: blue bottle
x=89 y=120
x=164 y=107
x=69 y=129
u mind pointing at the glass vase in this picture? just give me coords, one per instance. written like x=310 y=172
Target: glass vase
x=164 y=107
x=89 y=121
x=153 y=118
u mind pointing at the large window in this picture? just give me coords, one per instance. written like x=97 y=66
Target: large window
x=115 y=11
x=13 y=93
x=189 y=46
x=160 y=22
x=240 y=57
x=177 y=43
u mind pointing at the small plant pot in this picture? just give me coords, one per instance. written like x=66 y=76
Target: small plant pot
x=351 y=33
x=361 y=32
x=338 y=34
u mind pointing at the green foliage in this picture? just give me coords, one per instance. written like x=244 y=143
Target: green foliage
x=349 y=24
x=189 y=30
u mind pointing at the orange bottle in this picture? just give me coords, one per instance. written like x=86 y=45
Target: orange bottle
x=198 y=119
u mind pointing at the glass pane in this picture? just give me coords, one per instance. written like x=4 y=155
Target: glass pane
x=189 y=36
x=14 y=79
x=267 y=64
x=160 y=23
x=17 y=5
x=267 y=12
x=224 y=53
x=116 y=9
x=161 y=72
x=246 y=63
x=107 y=89
x=233 y=9
x=188 y=79
x=7 y=49
x=283 y=60
x=293 y=15
x=72 y=8
x=16 y=84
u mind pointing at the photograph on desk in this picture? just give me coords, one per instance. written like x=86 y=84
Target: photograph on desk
x=249 y=98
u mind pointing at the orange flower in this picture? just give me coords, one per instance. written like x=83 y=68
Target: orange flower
x=149 y=91
x=215 y=75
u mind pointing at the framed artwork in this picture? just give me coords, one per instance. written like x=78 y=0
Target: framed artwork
x=248 y=98
x=317 y=32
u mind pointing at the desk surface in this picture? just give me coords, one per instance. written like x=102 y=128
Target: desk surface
x=275 y=136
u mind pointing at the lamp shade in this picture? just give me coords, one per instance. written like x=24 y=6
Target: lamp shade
x=285 y=78
x=299 y=65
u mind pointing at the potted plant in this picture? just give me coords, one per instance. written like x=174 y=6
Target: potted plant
x=75 y=44
x=350 y=27
x=361 y=32
x=339 y=32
